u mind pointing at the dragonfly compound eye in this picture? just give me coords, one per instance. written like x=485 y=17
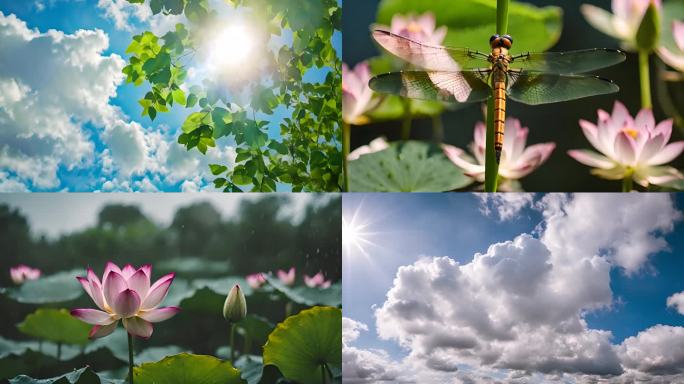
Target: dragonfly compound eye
x=510 y=40
x=494 y=37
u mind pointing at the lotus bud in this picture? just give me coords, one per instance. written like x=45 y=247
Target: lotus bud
x=235 y=308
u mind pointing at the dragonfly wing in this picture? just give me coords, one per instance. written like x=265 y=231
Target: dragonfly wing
x=430 y=57
x=544 y=88
x=451 y=87
x=568 y=62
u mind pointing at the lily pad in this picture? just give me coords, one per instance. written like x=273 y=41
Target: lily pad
x=204 y=300
x=224 y=284
x=252 y=369
x=80 y=376
x=117 y=343
x=331 y=296
x=254 y=330
x=187 y=368
x=410 y=166
x=307 y=346
x=472 y=22
x=194 y=266
x=56 y=288
x=55 y=325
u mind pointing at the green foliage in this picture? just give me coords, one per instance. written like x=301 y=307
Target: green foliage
x=307 y=346
x=307 y=157
x=56 y=288
x=55 y=325
x=410 y=166
x=79 y=376
x=187 y=368
x=648 y=34
x=472 y=22
x=309 y=296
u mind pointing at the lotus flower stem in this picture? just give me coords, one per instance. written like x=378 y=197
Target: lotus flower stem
x=627 y=183
x=346 y=138
x=232 y=343
x=645 y=80
x=491 y=166
x=130 y=358
x=406 y=122
x=59 y=351
x=437 y=129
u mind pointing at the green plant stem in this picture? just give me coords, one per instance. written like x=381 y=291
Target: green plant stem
x=288 y=309
x=232 y=343
x=627 y=183
x=645 y=80
x=59 y=351
x=130 y=358
x=491 y=166
x=437 y=129
x=324 y=373
x=346 y=139
x=406 y=122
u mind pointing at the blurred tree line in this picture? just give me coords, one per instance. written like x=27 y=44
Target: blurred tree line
x=258 y=238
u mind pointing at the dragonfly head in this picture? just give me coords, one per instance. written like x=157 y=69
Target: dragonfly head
x=505 y=41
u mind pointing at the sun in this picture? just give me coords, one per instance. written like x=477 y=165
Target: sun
x=355 y=236
x=231 y=47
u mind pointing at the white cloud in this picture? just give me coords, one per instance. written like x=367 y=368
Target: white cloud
x=362 y=365
x=676 y=301
x=123 y=13
x=520 y=307
x=505 y=205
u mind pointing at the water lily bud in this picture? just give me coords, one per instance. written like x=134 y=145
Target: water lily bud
x=235 y=308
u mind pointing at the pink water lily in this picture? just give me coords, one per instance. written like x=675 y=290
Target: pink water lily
x=127 y=295
x=623 y=23
x=287 y=278
x=675 y=59
x=357 y=97
x=517 y=161
x=255 y=280
x=378 y=144
x=21 y=273
x=420 y=28
x=317 y=280
x=630 y=147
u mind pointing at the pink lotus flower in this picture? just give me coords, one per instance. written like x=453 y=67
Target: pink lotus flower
x=255 y=280
x=630 y=147
x=287 y=278
x=516 y=160
x=675 y=59
x=419 y=28
x=356 y=95
x=125 y=294
x=21 y=273
x=378 y=144
x=623 y=23
x=317 y=280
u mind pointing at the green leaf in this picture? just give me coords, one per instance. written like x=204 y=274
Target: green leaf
x=179 y=96
x=217 y=169
x=304 y=295
x=187 y=368
x=472 y=22
x=303 y=345
x=410 y=166
x=194 y=266
x=194 y=121
x=55 y=325
x=80 y=376
x=192 y=100
x=648 y=33
x=56 y=288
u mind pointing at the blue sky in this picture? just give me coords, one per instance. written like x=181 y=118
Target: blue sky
x=394 y=230
x=147 y=156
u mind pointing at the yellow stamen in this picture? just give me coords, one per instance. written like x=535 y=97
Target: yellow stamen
x=631 y=131
x=414 y=27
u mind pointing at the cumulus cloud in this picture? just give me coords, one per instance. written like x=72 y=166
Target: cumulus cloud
x=676 y=301
x=504 y=205
x=54 y=113
x=520 y=306
x=123 y=13
x=363 y=365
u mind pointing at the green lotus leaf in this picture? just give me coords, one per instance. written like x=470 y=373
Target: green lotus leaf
x=304 y=295
x=471 y=23
x=410 y=166
x=79 y=376
x=193 y=266
x=307 y=347
x=55 y=325
x=56 y=288
x=187 y=368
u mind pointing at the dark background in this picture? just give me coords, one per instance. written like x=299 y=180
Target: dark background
x=552 y=122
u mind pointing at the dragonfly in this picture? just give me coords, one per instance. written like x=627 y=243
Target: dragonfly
x=462 y=75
